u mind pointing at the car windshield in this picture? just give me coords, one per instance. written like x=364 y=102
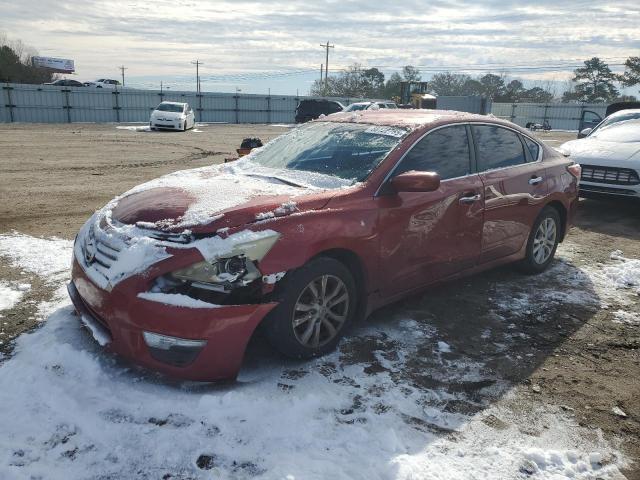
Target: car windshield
x=622 y=131
x=346 y=151
x=170 y=107
x=613 y=119
x=356 y=106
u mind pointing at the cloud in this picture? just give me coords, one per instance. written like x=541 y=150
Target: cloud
x=162 y=37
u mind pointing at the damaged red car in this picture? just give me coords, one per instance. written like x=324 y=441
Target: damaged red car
x=322 y=225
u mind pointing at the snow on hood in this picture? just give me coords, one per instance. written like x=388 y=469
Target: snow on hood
x=588 y=149
x=164 y=213
x=197 y=197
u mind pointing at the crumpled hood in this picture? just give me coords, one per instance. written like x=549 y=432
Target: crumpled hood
x=588 y=150
x=206 y=199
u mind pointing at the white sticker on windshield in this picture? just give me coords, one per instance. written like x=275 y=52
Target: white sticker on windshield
x=388 y=131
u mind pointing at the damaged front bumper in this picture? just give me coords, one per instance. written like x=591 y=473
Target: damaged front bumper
x=203 y=344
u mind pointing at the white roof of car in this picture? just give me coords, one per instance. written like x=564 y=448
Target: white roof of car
x=370 y=103
x=173 y=103
x=624 y=112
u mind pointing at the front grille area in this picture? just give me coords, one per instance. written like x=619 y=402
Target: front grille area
x=610 y=175
x=105 y=253
x=587 y=189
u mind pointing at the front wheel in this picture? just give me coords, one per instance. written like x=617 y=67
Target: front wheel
x=316 y=303
x=543 y=241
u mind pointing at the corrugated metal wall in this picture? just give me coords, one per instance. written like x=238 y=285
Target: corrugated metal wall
x=464 y=103
x=561 y=116
x=51 y=104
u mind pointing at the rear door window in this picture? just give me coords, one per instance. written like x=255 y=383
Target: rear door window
x=444 y=151
x=497 y=147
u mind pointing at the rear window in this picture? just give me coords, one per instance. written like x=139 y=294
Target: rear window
x=497 y=147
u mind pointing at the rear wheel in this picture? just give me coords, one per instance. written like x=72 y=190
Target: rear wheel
x=543 y=241
x=316 y=303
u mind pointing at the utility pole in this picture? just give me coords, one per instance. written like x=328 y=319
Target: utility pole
x=197 y=63
x=326 y=64
x=122 y=69
x=321 y=67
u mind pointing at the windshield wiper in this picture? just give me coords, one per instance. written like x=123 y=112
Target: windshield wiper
x=286 y=182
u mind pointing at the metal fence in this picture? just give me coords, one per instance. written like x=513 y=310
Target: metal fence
x=561 y=116
x=52 y=104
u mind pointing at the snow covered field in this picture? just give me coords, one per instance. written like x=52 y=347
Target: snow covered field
x=400 y=399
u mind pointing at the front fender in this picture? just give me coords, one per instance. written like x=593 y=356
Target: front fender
x=308 y=234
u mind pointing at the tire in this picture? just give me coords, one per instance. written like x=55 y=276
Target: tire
x=541 y=247
x=320 y=324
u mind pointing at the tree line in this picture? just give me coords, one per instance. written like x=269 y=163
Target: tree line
x=593 y=82
x=15 y=63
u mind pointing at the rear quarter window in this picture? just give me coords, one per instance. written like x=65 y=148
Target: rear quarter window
x=533 y=147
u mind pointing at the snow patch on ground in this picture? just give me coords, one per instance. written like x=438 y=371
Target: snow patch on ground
x=628 y=318
x=32 y=254
x=135 y=128
x=625 y=272
x=70 y=410
x=11 y=293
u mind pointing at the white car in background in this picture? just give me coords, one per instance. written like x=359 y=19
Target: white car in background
x=354 y=107
x=172 y=116
x=609 y=156
x=104 y=83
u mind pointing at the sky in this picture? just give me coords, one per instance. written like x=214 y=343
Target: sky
x=274 y=46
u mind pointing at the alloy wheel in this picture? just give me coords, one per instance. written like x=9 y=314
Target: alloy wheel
x=320 y=311
x=544 y=241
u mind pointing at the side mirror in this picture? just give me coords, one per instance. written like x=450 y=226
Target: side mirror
x=584 y=132
x=416 y=182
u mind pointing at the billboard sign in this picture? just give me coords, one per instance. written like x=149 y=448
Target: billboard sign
x=60 y=65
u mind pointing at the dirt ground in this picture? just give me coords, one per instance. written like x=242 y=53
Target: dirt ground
x=53 y=176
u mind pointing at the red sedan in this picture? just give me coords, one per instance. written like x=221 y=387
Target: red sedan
x=321 y=226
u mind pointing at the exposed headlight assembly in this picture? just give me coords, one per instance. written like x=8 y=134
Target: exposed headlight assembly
x=219 y=275
x=236 y=268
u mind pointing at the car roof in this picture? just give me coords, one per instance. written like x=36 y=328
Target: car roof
x=620 y=113
x=173 y=103
x=408 y=118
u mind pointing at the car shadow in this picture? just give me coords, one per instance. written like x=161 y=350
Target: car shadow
x=617 y=217
x=461 y=345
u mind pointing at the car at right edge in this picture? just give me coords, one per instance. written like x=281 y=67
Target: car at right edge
x=610 y=157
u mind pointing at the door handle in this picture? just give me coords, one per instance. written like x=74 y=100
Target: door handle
x=470 y=198
x=535 y=180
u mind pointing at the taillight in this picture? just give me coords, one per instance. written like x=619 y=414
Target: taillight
x=575 y=169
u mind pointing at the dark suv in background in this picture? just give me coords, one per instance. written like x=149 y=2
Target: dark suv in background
x=312 y=109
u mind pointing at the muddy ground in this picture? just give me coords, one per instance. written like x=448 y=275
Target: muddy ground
x=568 y=354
